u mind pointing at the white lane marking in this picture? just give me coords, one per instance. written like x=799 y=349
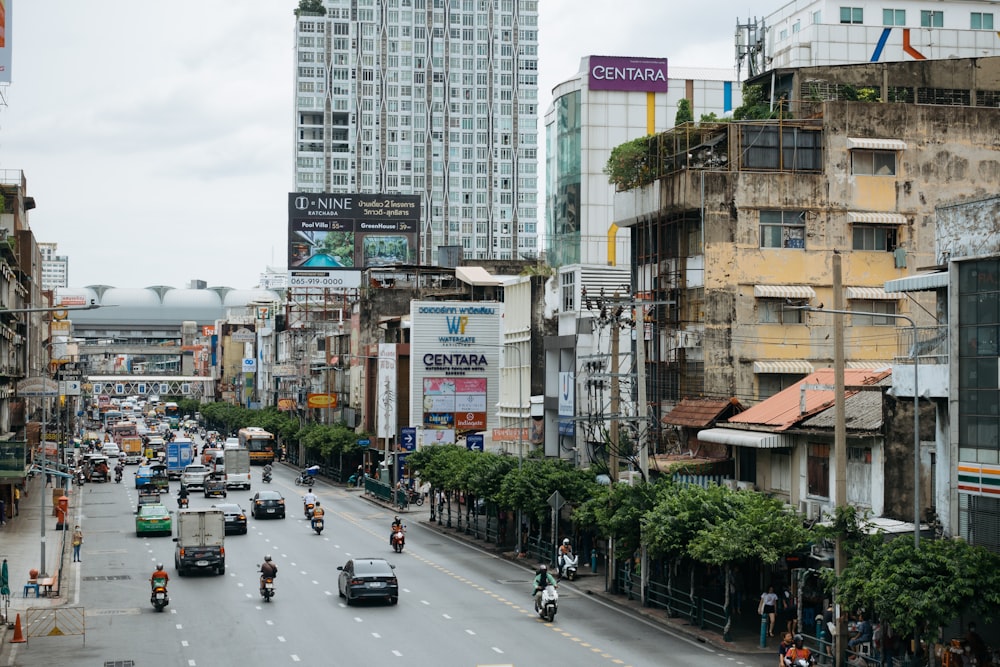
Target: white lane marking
x=191 y=663
x=328 y=592
x=496 y=649
x=376 y=635
x=295 y=658
x=470 y=632
x=358 y=619
x=397 y=654
x=406 y=590
x=269 y=622
x=184 y=643
x=302 y=572
x=446 y=616
x=239 y=584
x=316 y=583
x=280 y=638
x=180 y=627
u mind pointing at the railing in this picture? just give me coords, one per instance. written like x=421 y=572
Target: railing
x=932 y=345
x=539 y=549
x=698 y=610
x=378 y=489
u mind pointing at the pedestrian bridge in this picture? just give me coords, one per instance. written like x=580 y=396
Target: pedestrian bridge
x=194 y=386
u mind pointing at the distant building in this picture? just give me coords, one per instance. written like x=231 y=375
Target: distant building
x=55 y=268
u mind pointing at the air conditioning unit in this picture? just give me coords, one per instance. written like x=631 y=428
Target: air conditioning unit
x=630 y=477
x=730 y=484
x=745 y=486
x=811 y=509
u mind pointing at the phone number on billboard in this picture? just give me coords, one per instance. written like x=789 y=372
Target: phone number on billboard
x=348 y=280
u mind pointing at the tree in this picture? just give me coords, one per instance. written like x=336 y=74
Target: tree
x=684 y=114
x=755 y=105
x=921 y=589
x=628 y=166
x=310 y=7
x=616 y=511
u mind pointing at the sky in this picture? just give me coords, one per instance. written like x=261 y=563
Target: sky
x=157 y=138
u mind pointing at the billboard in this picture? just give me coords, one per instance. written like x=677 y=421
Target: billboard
x=643 y=75
x=5 y=57
x=332 y=238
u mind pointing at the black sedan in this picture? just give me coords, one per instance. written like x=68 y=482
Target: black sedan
x=236 y=518
x=364 y=578
x=267 y=505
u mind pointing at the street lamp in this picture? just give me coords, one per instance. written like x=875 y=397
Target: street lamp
x=520 y=435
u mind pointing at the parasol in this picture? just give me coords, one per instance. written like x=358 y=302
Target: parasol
x=4 y=579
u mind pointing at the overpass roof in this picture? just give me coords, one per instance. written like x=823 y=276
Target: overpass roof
x=159 y=305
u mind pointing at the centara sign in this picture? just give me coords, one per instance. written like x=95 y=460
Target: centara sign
x=648 y=75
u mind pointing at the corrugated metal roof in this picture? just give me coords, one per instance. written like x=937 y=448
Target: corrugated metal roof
x=862 y=411
x=696 y=412
x=782 y=411
x=738 y=438
x=925 y=281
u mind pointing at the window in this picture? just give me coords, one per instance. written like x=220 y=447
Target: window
x=773 y=311
x=783 y=229
x=873 y=306
x=873 y=163
x=931 y=19
x=981 y=21
x=568 y=292
x=874 y=237
x=818 y=465
x=893 y=17
x=852 y=15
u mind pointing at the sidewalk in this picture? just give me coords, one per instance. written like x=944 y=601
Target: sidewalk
x=20 y=544
x=746 y=628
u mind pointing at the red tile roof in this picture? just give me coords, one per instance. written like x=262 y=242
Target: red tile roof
x=699 y=412
x=783 y=410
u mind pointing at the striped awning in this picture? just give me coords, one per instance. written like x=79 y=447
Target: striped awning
x=868 y=365
x=876 y=144
x=755 y=439
x=784 y=292
x=875 y=218
x=788 y=367
x=872 y=294
x=926 y=281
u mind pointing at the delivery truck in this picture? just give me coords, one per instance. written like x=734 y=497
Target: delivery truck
x=179 y=456
x=132 y=450
x=200 y=541
x=237 y=467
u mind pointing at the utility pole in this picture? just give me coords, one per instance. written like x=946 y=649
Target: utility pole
x=839 y=441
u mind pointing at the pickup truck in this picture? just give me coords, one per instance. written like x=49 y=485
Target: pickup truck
x=194 y=476
x=200 y=541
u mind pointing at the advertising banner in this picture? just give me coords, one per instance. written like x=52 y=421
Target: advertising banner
x=567 y=397
x=643 y=75
x=386 y=391
x=5 y=35
x=13 y=458
x=331 y=238
x=321 y=400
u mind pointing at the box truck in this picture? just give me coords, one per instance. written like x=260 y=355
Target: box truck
x=200 y=541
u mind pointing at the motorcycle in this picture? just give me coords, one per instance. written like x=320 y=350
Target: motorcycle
x=398 y=541
x=317 y=524
x=307 y=476
x=80 y=479
x=118 y=476
x=267 y=588
x=546 y=609
x=568 y=564
x=159 y=598
x=182 y=502
x=266 y=477
x=308 y=510
x=414 y=497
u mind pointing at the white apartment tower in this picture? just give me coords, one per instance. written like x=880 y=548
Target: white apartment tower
x=55 y=268
x=436 y=98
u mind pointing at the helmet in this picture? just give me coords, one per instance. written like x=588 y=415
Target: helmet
x=543 y=567
x=159 y=566
x=267 y=558
x=317 y=503
x=798 y=640
x=566 y=541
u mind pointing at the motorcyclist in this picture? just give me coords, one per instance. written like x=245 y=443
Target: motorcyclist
x=542 y=580
x=182 y=495
x=318 y=511
x=565 y=553
x=268 y=568
x=308 y=499
x=267 y=470
x=160 y=573
x=799 y=652
x=397 y=527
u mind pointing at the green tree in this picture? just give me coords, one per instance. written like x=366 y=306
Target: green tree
x=310 y=7
x=684 y=113
x=921 y=589
x=628 y=166
x=755 y=104
x=616 y=512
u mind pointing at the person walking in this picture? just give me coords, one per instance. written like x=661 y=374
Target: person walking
x=77 y=543
x=768 y=606
x=17 y=500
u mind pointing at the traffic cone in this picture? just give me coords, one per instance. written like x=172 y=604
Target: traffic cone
x=18 y=635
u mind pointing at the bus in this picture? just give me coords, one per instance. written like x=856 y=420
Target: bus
x=172 y=413
x=111 y=417
x=123 y=429
x=259 y=442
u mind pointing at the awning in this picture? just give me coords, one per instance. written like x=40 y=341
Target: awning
x=790 y=367
x=868 y=365
x=872 y=294
x=872 y=218
x=477 y=275
x=926 y=281
x=755 y=439
x=876 y=144
x=784 y=292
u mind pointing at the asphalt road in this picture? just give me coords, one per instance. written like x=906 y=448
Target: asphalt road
x=458 y=606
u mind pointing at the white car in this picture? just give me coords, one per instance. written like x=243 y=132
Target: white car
x=111 y=450
x=194 y=476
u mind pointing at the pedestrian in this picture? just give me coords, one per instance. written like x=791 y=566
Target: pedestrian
x=790 y=611
x=48 y=479
x=77 y=542
x=17 y=500
x=768 y=605
x=786 y=643
x=3 y=512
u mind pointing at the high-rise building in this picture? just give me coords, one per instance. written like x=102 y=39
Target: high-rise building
x=55 y=268
x=436 y=98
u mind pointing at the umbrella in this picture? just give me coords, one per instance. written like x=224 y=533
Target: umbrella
x=4 y=580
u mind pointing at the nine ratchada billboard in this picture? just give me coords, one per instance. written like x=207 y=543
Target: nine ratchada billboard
x=643 y=75
x=333 y=237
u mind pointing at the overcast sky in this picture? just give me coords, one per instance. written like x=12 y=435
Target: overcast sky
x=156 y=138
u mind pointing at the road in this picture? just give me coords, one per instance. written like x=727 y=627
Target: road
x=458 y=606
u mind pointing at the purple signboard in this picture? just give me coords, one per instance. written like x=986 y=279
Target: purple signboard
x=643 y=75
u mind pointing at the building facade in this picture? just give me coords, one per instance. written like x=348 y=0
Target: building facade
x=426 y=97
x=55 y=268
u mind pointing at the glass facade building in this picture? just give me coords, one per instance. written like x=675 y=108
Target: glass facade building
x=430 y=97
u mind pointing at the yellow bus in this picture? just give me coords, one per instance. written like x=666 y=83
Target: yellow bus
x=259 y=442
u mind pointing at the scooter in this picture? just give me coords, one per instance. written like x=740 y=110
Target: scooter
x=182 y=502
x=546 y=610
x=118 y=476
x=317 y=524
x=308 y=510
x=398 y=541
x=267 y=588
x=266 y=477
x=568 y=564
x=159 y=598
x=80 y=479
x=414 y=497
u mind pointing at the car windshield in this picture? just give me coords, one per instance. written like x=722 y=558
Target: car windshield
x=375 y=567
x=195 y=469
x=229 y=509
x=152 y=510
x=268 y=495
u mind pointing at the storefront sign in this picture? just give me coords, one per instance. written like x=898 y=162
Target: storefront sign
x=644 y=75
